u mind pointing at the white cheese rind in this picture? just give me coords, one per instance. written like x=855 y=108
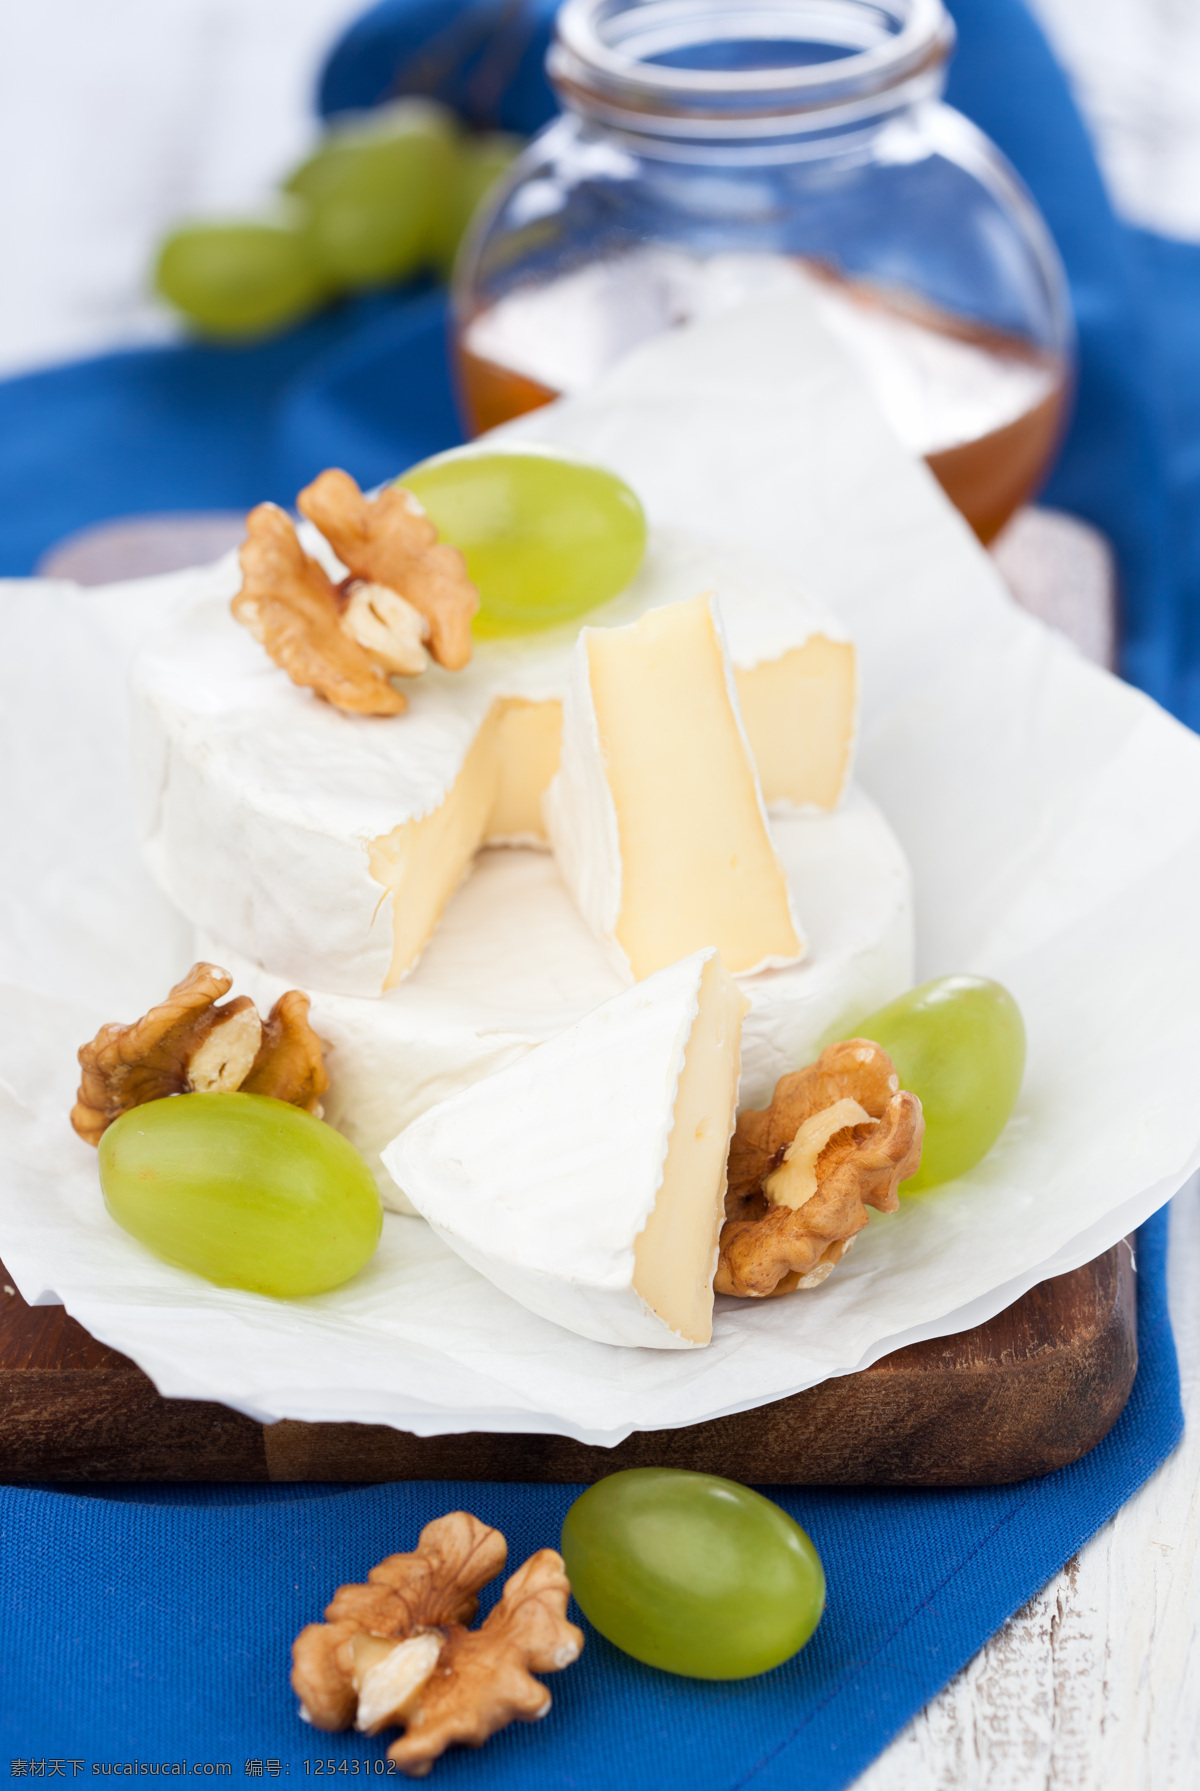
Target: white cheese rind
x=581 y=816
x=513 y=964
x=544 y=1176
x=259 y=804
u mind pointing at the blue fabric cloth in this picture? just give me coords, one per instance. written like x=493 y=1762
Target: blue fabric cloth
x=155 y=1623
x=200 y=427
x=486 y=59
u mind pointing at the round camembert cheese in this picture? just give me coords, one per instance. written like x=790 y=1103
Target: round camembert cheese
x=324 y=847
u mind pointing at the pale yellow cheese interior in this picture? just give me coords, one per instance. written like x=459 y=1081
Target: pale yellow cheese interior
x=698 y=866
x=799 y=711
x=528 y=744
x=799 y=716
x=675 y=1256
x=423 y=862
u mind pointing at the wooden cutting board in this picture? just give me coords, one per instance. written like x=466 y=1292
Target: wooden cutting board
x=1030 y=1391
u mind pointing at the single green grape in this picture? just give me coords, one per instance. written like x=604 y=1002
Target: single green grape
x=959 y=1044
x=244 y=1190
x=244 y=278
x=697 y=1575
x=546 y=538
x=375 y=189
x=482 y=161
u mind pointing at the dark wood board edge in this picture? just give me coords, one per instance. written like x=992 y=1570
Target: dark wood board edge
x=1032 y=1390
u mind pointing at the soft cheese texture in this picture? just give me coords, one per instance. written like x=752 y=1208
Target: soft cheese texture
x=528 y=746
x=325 y=847
x=799 y=712
x=512 y=964
x=655 y=814
x=588 y=1182
x=675 y=1252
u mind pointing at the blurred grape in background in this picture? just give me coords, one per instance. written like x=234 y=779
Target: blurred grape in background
x=385 y=195
x=118 y=120
x=120 y=123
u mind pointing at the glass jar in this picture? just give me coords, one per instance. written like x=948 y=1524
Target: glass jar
x=715 y=150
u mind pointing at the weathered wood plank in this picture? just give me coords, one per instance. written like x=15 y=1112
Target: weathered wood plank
x=1033 y=1389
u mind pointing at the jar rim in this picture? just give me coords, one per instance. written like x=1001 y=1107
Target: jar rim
x=912 y=38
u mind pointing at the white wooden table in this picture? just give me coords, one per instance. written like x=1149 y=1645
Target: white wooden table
x=1095 y=1685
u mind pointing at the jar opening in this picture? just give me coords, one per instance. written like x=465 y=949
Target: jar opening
x=740 y=64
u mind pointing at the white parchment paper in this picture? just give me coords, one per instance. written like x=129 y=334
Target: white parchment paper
x=1052 y=816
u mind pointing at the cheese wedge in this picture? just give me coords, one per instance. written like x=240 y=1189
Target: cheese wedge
x=326 y=847
x=796 y=670
x=655 y=814
x=512 y=964
x=588 y=1181
x=799 y=713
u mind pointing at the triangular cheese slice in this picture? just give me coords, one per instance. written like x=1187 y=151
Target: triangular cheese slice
x=588 y=1180
x=656 y=814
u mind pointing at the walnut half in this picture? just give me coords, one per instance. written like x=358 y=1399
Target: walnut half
x=838 y=1137
x=388 y=541
x=396 y=1652
x=294 y=610
x=189 y=1044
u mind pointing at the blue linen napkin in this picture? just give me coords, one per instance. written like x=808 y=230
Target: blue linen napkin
x=154 y=1623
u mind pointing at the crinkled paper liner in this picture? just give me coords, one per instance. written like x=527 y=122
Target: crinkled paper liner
x=1051 y=815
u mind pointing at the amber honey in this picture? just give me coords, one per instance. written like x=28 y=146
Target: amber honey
x=984 y=409
x=990 y=478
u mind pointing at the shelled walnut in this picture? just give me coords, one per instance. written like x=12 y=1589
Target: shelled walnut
x=405 y=590
x=188 y=1044
x=397 y=1652
x=838 y=1137
x=389 y=541
x=292 y=608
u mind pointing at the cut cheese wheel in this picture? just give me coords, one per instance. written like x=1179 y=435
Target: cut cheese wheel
x=513 y=964
x=325 y=847
x=588 y=1182
x=655 y=815
x=799 y=713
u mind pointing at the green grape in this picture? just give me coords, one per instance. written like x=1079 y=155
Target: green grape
x=375 y=189
x=546 y=538
x=243 y=278
x=242 y=1189
x=481 y=163
x=693 y=1574
x=959 y=1044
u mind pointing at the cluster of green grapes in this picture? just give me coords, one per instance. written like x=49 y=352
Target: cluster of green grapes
x=385 y=195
